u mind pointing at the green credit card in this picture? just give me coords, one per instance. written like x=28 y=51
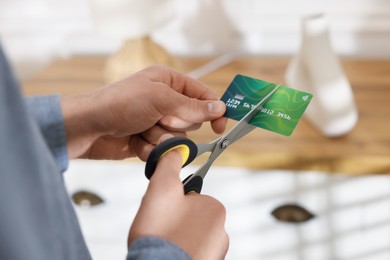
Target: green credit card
x=280 y=114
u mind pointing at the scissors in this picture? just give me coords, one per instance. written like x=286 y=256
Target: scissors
x=189 y=150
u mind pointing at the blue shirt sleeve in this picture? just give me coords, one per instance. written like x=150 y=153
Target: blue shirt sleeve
x=46 y=110
x=37 y=217
x=148 y=248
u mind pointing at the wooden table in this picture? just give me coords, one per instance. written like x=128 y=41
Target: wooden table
x=365 y=150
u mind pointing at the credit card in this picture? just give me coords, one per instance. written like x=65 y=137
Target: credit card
x=280 y=114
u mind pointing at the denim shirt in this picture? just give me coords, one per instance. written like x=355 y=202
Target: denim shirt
x=37 y=218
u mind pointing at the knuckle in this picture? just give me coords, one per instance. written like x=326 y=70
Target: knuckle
x=156 y=72
x=193 y=104
x=227 y=241
x=227 y=238
x=170 y=122
x=218 y=209
x=157 y=68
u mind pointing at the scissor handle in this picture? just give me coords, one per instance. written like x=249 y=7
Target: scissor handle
x=186 y=147
x=193 y=184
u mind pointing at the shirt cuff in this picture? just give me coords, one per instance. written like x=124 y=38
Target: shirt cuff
x=155 y=248
x=46 y=110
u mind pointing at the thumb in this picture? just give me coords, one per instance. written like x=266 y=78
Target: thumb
x=167 y=174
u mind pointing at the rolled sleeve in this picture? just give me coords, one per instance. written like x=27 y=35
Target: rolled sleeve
x=148 y=248
x=46 y=110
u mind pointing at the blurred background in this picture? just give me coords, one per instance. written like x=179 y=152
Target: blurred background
x=315 y=195
x=37 y=31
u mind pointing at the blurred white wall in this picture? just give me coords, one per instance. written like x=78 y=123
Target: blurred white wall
x=35 y=31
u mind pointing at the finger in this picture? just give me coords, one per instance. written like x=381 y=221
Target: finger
x=154 y=134
x=173 y=123
x=167 y=173
x=219 y=125
x=143 y=147
x=176 y=124
x=140 y=147
x=188 y=109
x=166 y=177
x=181 y=82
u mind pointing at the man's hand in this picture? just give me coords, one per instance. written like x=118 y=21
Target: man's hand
x=127 y=118
x=194 y=222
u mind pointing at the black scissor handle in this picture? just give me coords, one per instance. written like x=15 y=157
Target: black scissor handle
x=187 y=148
x=193 y=185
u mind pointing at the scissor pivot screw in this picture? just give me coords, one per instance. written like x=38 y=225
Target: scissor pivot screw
x=225 y=143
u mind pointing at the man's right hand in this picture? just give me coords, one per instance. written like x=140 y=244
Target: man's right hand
x=194 y=222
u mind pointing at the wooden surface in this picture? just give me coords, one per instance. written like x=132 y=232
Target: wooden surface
x=365 y=150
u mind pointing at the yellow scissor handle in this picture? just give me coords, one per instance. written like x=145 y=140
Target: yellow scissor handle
x=184 y=151
x=186 y=147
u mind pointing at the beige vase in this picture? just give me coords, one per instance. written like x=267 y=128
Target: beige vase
x=133 y=56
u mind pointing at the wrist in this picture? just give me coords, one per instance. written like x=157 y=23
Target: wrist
x=79 y=119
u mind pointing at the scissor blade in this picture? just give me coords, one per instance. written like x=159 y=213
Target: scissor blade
x=217 y=146
x=203 y=148
x=243 y=127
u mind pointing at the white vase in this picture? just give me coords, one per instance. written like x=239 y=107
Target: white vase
x=317 y=69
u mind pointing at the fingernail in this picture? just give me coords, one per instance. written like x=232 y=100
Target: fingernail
x=216 y=106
